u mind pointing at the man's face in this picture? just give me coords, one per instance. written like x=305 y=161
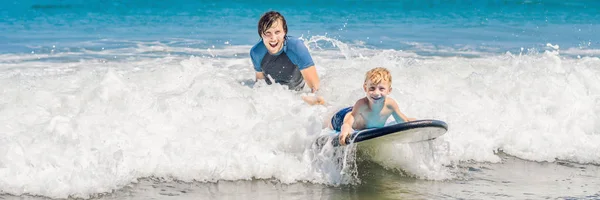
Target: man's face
x=273 y=37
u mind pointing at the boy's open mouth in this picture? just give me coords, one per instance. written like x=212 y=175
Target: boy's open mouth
x=376 y=98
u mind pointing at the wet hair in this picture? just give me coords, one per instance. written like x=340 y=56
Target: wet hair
x=267 y=20
x=377 y=75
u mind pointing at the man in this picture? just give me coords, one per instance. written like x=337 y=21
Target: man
x=284 y=59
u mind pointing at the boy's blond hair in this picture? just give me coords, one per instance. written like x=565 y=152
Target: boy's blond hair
x=377 y=75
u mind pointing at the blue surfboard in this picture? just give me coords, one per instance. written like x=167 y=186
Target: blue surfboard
x=408 y=132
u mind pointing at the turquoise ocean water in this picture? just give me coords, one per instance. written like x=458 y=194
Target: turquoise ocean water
x=156 y=100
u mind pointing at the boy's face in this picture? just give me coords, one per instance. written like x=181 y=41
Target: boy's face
x=377 y=92
x=273 y=37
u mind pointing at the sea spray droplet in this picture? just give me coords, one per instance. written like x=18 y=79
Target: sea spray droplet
x=555 y=47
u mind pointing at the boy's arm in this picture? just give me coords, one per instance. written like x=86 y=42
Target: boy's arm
x=349 y=121
x=347 y=126
x=398 y=116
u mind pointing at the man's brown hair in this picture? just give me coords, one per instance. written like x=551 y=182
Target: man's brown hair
x=267 y=20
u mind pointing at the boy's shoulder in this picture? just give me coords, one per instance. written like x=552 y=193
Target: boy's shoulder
x=390 y=102
x=361 y=105
x=362 y=102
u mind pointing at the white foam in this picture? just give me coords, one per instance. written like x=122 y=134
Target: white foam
x=582 y=52
x=86 y=127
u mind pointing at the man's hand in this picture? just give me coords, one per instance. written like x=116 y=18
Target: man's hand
x=313 y=100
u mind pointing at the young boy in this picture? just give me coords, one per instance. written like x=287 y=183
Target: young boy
x=371 y=111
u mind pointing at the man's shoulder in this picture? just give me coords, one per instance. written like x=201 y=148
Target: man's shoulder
x=258 y=49
x=293 y=40
x=294 y=44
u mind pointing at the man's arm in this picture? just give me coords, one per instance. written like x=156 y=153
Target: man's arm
x=312 y=79
x=259 y=75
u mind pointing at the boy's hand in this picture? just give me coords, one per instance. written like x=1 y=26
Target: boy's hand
x=343 y=136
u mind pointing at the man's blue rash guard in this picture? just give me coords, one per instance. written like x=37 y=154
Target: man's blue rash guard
x=283 y=67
